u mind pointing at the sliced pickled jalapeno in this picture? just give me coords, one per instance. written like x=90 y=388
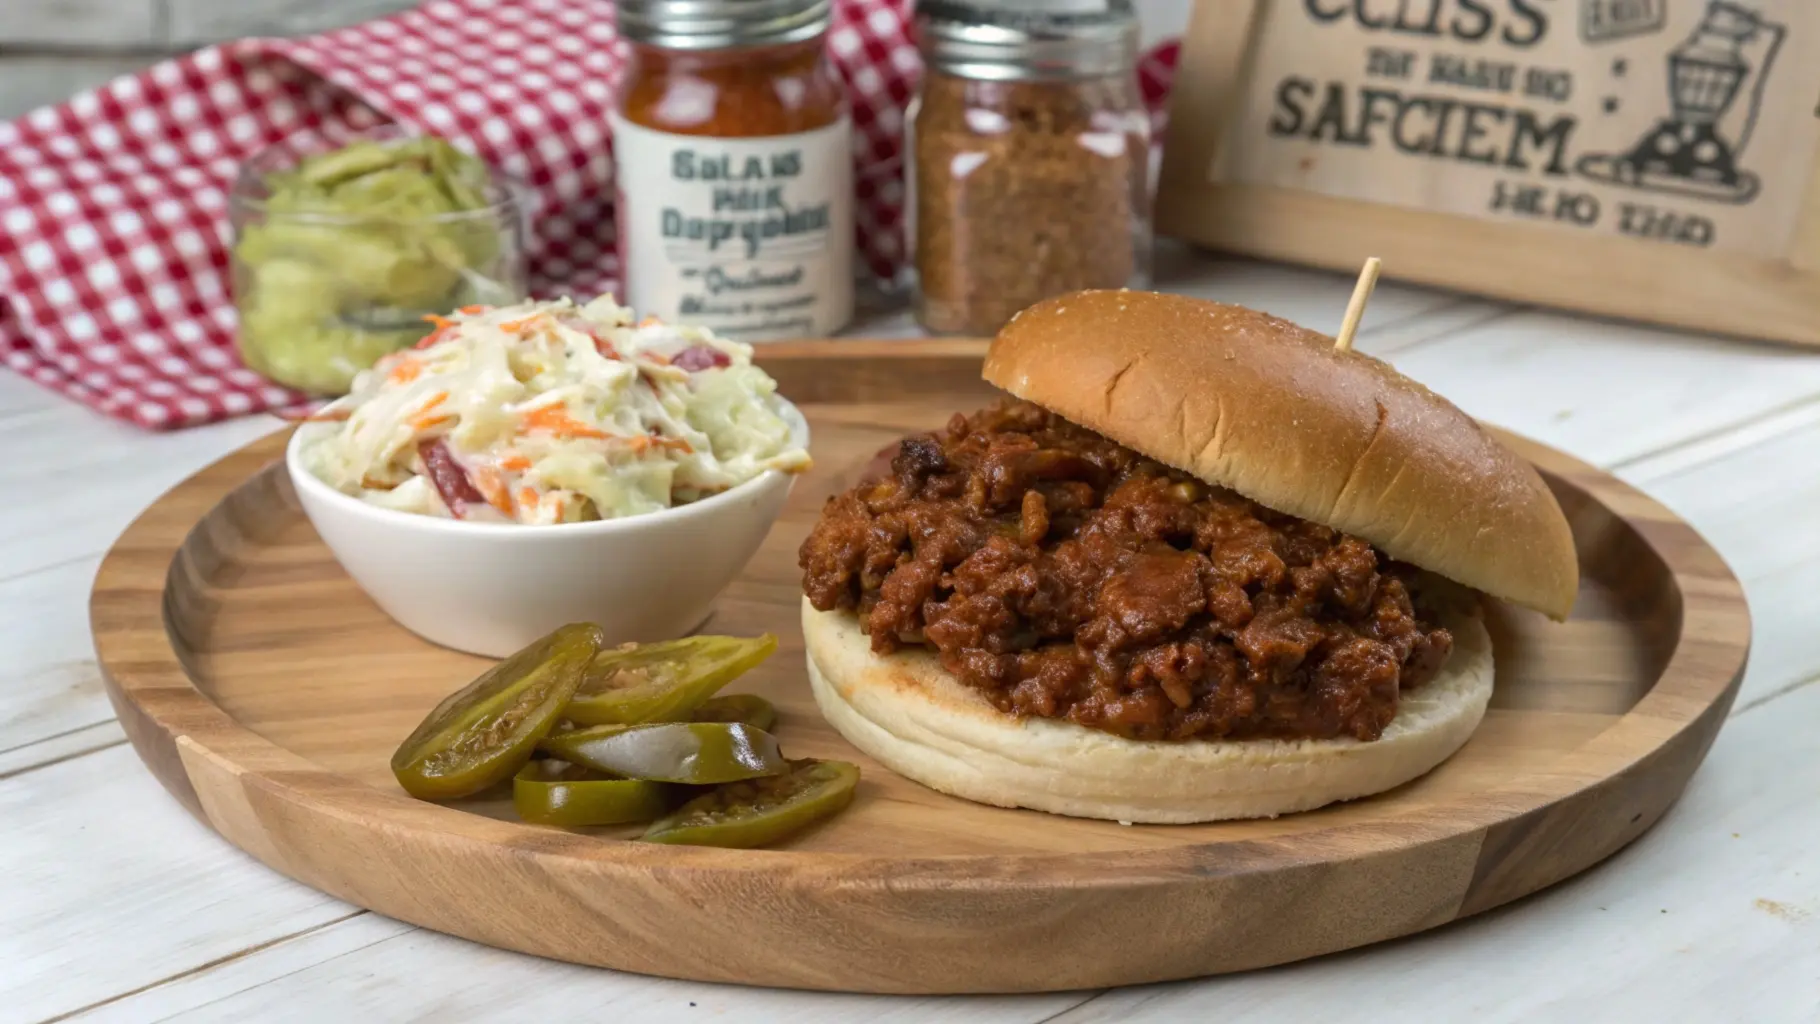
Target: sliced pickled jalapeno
x=553 y=792
x=663 y=682
x=698 y=753
x=758 y=812
x=748 y=708
x=487 y=730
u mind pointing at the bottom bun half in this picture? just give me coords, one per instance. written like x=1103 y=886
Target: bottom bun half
x=913 y=717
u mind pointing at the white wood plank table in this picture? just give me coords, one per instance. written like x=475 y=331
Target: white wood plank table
x=116 y=906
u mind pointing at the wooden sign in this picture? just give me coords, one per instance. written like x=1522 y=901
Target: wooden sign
x=1651 y=159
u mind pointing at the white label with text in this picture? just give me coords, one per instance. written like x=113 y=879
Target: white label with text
x=752 y=238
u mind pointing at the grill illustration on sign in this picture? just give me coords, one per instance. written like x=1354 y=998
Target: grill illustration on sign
x=1686 y=153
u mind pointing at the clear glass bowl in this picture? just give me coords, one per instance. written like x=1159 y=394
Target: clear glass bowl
x=324 y=293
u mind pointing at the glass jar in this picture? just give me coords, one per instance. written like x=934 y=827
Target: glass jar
x=735 y=168
x=340 y=252
x=1030 y=151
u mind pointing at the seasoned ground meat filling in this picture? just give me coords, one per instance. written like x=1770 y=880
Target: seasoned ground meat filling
x=1065 y=576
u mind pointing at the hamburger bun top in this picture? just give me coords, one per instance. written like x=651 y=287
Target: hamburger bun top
x=1256 y=404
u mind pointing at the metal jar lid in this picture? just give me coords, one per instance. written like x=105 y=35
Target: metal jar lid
x=1023 y=39
x=720 y=24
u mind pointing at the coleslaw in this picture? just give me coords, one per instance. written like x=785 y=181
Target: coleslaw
x=553 y=412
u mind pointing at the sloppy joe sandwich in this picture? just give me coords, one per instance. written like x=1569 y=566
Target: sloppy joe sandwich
x=1196 y=565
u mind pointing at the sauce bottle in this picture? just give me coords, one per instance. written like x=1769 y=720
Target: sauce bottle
x=735 y=173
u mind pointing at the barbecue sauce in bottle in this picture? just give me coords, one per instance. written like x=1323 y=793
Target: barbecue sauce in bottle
x=733 y=149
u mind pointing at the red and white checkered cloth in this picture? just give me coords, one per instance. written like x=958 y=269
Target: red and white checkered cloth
x=113 y=206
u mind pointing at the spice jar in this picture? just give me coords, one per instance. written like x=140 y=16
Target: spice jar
x=735 y=168
x=1030 y=157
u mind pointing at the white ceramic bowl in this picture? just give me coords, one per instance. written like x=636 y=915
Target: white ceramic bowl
x=492 y=588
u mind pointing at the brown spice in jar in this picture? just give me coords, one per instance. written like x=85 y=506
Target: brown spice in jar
x=1024 y=190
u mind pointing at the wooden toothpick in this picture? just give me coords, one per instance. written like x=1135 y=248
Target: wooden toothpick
x=1355 y=310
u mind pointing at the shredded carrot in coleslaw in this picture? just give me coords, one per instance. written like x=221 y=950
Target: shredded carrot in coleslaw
x=554 y=419
x=405 y=371
x=514 y=326
x=555 y=412
x=491 y=485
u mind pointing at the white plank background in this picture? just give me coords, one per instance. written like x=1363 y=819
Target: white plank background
x=51 y=49
x=82 y=24
x=117 y=907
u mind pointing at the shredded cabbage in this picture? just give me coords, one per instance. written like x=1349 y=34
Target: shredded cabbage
x=552 y=412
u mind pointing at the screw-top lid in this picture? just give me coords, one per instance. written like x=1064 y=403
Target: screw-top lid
x=717 y=24
x=1016 y=39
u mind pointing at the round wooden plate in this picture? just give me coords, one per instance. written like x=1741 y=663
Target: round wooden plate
x=267 y=693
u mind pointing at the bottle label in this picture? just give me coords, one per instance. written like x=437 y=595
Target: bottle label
x=752 y=238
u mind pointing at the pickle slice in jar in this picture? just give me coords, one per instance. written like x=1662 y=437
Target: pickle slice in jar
x=749 y=708
x=759 y=812
x=698 y=753
x=552 y=792
x=664 y=681
x=484 y=732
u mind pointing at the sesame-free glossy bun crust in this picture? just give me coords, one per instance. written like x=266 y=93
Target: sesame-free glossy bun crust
x=1254 y=403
